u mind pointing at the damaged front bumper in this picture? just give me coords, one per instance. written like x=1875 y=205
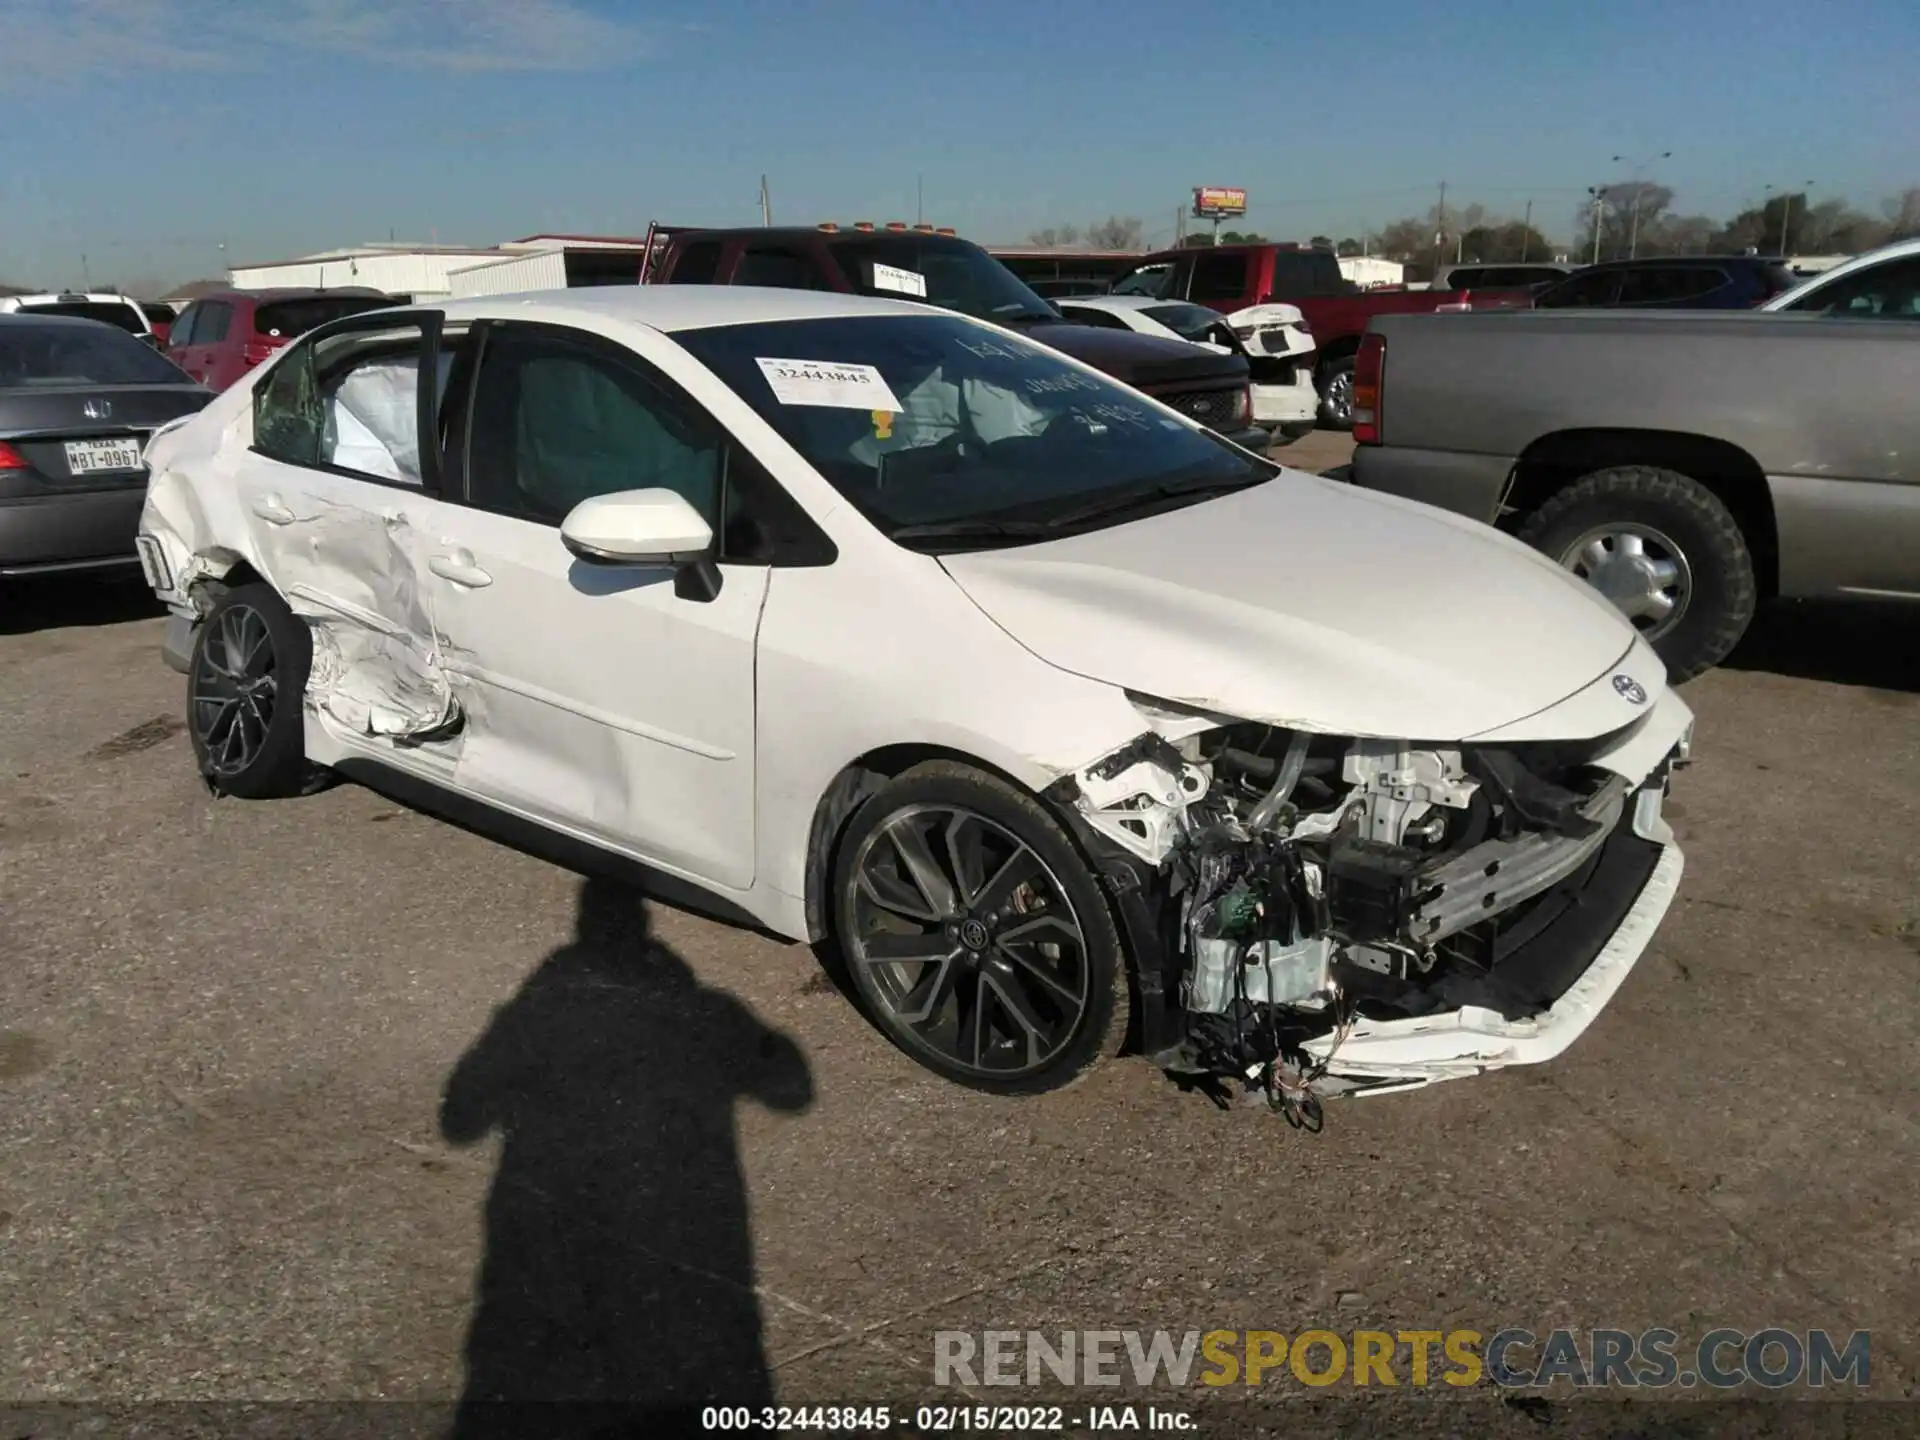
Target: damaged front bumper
x=1319 y=916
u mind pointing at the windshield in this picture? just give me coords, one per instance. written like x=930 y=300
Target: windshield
x=949 y=273
x=287 y=318
x=79 y=355
x=930 y=422
x=124 y=317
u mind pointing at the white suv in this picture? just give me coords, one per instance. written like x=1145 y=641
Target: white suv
x=106 y=305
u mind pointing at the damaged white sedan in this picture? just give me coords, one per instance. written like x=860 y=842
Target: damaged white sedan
x=1065 y=719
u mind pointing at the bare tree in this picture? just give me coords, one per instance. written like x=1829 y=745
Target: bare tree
x=1055 y=235
x=1629 y=213
x=1903 y=214
x=1116 y=233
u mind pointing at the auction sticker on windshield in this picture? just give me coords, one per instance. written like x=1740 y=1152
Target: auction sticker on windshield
x=901 y=282
x=826 y=382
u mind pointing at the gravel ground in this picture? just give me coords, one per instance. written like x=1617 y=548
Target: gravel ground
x=257 y=1062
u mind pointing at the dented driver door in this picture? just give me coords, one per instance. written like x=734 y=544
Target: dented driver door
x=336 y=492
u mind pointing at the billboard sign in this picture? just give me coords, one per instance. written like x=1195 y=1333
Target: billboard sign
x=1218 y=202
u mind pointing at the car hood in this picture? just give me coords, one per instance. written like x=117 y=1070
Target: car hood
x=1309 y=604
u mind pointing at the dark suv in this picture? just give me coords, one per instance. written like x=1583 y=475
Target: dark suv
x=1675 y=282
x=955 y=274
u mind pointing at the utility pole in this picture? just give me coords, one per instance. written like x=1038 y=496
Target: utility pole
x=86 y=275
x=1786 y=214
x=1440 y=227
x=1526 y=233
x=1599 y=194
x=919 y=199
x=1633 y=227
x=766 y=203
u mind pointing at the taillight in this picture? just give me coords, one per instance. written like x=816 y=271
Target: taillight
x=1369 y=378
x=1456 y=307
x=256 y=351
x=12 y=459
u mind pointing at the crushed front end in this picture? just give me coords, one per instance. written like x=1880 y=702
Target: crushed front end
x=1314 y=915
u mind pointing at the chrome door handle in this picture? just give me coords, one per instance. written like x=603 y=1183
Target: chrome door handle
x=460 y=569
x=272 y=511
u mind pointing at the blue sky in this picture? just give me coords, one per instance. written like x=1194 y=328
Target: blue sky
x=145 y=133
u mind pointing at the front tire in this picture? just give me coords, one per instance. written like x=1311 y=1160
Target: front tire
x=1665 y=550
x=974 y=934
x=246 y=680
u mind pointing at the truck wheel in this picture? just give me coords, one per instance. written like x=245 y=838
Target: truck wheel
x=1663 y=549
x=1336 y=394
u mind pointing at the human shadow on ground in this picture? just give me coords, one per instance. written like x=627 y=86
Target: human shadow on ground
x=616 y=1296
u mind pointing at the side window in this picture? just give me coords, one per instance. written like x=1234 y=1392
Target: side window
x=210 y=327
x=1301 y=273
x=182 y=331
x=698 y=264
x=1218 y=277
x=1670 y=284
x=1889 y=291
x=558 y=420
x=346 y=401
x=1596 y=288
x=778 y=267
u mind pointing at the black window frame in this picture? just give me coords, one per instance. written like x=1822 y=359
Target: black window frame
x=432 y=324
x=795 y=541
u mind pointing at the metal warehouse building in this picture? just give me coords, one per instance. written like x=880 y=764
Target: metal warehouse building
x=442 y=272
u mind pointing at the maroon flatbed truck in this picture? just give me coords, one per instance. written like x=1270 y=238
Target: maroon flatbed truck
x=1232 y=277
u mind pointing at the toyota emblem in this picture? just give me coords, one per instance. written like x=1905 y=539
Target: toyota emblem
x=1630 y=689
x=97 y=409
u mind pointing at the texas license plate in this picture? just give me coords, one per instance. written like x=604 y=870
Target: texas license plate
x=86 y=457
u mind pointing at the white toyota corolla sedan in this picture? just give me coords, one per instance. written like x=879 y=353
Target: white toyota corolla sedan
x=1066 y=721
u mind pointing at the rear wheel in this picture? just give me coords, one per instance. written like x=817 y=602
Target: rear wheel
x=1336 y=393
x=1664 y=549
x=245 y=683
x=974 y=934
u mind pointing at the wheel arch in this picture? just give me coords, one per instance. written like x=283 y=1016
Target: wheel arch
x=845 y=793
x=1553 y=461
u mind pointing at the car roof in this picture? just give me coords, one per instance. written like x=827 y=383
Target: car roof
x=55 y=297
x=9 y=320
x=1685 y=261
x=678 y=307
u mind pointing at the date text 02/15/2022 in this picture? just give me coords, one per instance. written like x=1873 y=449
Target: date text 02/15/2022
x=944 y=1419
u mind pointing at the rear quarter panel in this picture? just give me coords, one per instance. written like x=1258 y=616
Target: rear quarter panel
x=1824 y=408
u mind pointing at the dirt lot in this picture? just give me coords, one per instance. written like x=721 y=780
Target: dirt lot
x=257 y=1061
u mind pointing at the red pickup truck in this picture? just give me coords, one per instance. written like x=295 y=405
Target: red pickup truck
x=1232 y=277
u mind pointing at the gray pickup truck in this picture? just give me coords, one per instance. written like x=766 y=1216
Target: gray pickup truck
x=1689 y=465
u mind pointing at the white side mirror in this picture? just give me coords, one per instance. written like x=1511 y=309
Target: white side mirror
x=637 y=527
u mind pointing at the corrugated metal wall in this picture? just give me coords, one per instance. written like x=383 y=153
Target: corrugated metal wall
x=544 y=270
x=415 y=274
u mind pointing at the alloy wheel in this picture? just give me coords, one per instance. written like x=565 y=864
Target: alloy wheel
x=234 y=689
x=1338 y=400
x=1642 y=571
x=967 y=941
